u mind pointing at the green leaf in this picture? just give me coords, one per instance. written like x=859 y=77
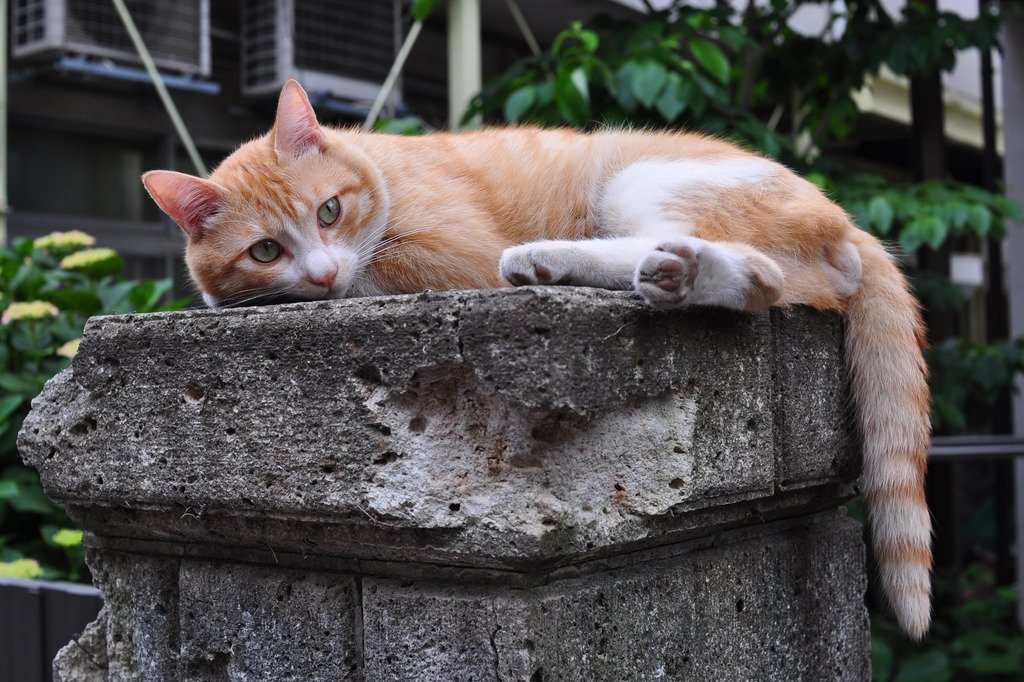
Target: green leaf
x=990 y=372
x=624 y=78
x=421 y=9
x=910 y=239
x=567 y=34
x=931 y=666
x=572 y=97
x=646 y=34
x=674 y=98
x=732 y=37
x=880 y=215
x=406 y=125
x=21 y=275
x=8 y=404
x=31 y=498
x=711 y=57
x=545 y=93
x=926 y=229
x=589 y=39
x=25 y=384
x=947 y=413
x=8 y=489
x=82 y=302
x=519 y=102
x=67 y=537
x=882 y=658
x=980 y=219
x=21 y=568
x=114 y=296
x=1008 y=207
x=649 y=79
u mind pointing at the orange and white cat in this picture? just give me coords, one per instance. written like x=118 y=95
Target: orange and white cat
x=310 y=212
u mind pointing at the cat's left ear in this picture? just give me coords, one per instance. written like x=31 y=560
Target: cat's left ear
x=296 y=130
x=189 y=201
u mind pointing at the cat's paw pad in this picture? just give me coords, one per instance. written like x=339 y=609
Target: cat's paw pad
x=523 y=265
x=666 y=276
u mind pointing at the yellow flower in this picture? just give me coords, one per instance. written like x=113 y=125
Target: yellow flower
x=64 y=241
x=93 y=261
x=67 y=537
x=31 y=310
x=21 y=568
x=69 y=349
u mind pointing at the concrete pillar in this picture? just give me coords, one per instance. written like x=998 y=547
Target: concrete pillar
x=465 y=66
x=539 y=483
x=1013 y=247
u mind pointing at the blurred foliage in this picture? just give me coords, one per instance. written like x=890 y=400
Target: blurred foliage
x=974 y=636
x=48 y=289
x=745 y=74
x=739 y=72
x=742 y=72
x=968 y=379
x=924 y=214
x=670 y=69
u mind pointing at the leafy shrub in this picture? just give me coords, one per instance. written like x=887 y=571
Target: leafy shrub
x=968 y=379
x=668 y=69
x=726 y=72
x=49 y=287
x=974 y=636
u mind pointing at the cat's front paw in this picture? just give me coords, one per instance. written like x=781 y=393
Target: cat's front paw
x=536 y=264
x=666 y=276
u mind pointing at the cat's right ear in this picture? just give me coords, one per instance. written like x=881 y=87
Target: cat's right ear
x=188 y=200
x=296 y=130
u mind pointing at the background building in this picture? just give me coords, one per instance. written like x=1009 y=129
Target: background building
x=84 y=120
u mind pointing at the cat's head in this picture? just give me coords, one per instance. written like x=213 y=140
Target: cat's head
x=293 y=215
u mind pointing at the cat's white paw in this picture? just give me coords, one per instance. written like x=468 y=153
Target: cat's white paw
x=538 y=263
x=665 y=277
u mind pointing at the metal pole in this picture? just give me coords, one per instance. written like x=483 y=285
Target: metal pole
x=1013 y=247
x=524 y=27
x=161 y=89
x=3 y=122
x=393 y=74
x=464 y=62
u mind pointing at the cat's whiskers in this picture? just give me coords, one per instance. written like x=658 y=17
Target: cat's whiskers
x=368 y=253
x=375 y=237
x=275 y=294
x=391 y=251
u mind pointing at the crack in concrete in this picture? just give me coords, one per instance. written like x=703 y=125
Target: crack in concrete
x=494 y=646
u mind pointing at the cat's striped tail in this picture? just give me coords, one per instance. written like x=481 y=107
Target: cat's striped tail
x=884 y=338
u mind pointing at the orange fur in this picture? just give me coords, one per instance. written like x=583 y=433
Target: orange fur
x=683 y=218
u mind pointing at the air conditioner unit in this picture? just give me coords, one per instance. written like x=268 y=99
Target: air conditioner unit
x=342 y=47
x=177 y=32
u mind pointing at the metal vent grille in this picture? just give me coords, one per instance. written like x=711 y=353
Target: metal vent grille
x=28 y=23
x=355 y=39
x=262 y=31
x=345 y=47
x=175 y=31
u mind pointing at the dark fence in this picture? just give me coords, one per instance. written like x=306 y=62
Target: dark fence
x=37 y=619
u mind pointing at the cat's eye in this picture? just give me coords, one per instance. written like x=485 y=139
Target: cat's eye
x=266 y=251
x=329 y=212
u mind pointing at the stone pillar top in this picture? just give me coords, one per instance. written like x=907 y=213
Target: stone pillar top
x=499 y=429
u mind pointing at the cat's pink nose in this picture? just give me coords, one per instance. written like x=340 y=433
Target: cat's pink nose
x=320 y=269
x=325 y=279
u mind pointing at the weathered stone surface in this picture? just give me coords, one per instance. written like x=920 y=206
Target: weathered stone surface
x=810 y=383
x=140 y=613
x=366 y=489
x=242 y=622
x=84 y=659
x=517 y=424
x=764 y=608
